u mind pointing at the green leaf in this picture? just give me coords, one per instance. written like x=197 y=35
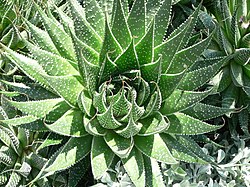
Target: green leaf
x=108 y=68
x=107 y=119
x=101 y=157
x=198 y=77
x=154 y=103
x=68 y=87
x=205 y=112
x=121 y=104
x=145 y=47
x=162 y=19
x=230 y=97
x=38 y=109
x=42 y=38
x=96 y=20
x=71 y=153
x=180 y=100
x=168 y=83
x=120 y=27
x=30 y=67
x=77 y=172
x=137 y=19
x=30 y=123
x=170 y=47
x=153 y=172
x=70 y=124
x=52 y=64
x=61 y=40
x=182 y=152
x=110 y=46
x=188 y=26
x=152 y=71
x=134 y=166
x=154 y=147
x=127 y=60
x=186 y=125
x=32 y=90
x=83 y=29
x=131 y=128
x=236 y=72
x=85 y=102
x=51 y=139
x=186 y=57
x=93 y=127
x=156 y=123
x=119 y=145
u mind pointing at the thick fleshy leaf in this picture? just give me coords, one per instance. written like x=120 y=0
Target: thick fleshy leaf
x=154 y=103
x=107 y=119
x=127 y=60
x=32 y=90
x=83 y=29
x=101 y=157
x=51 y=139
x=188 y=25
x=30 y=67
x=137 y=19
x=168 y=83
x=153 y=124
x=52 y=64
x=110 y=46
x=145 y=47
x=121 y=104
x=120 y=27
x=134 y=166
x=162 y=19
x=42 y=38
x=107 y=69
x=93 y=127
x=77 y=172
x=152 y=71
x=68 y=87
x=230 y=97
x=180 y=100
x=169 y=48
x=131 y=128
x=85 y=102
x=153 y=146
x=19 y=121
x=71 y=153
x=186 y=57
x=182 y=152
x=30 y=123
x=205 y=112
x=153 y=172
x=119 y=145
x=70 y=124
x=38 y=109
x=186 y=125
x=237 y=74
x=61 y=40
x=96 y=20
x=197 y=78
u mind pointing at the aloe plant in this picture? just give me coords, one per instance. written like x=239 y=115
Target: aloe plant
x=232 y=40
x=116 y=86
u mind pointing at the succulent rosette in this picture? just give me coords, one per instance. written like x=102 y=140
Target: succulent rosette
x=110 y=80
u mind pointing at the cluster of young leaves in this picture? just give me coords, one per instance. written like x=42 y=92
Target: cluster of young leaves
x=114 y=87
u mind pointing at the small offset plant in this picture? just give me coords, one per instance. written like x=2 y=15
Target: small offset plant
x=232 y=39
x=20 y=161
x=117 y=87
